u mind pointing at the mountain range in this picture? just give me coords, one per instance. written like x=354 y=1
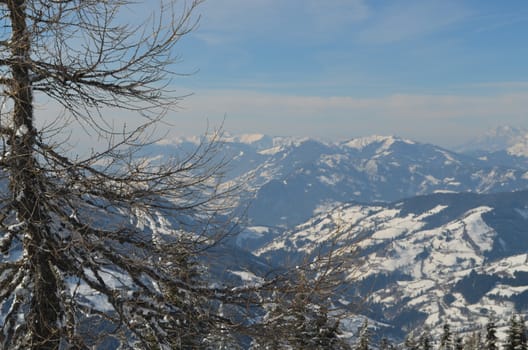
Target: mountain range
x=288 y=180
x=435 y=235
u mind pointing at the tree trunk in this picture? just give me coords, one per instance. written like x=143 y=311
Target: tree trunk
x=26 y=187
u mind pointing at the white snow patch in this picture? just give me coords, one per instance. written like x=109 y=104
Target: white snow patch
x=502 y=290
x=444 y=191
x=22 y=130
x=481 y=234
x=362 y=142
x=520 y=149
x=333 y=180
x=250 y=138
x=271 y=151
x=431 y=179
x=247 y=276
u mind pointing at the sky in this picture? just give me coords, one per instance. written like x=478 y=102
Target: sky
x=434 y=71
x=438 y=71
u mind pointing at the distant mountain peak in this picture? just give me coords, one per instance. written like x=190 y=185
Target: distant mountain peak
x=385 y=142
x=505 y=131
x=244 y=138
x=497 y=139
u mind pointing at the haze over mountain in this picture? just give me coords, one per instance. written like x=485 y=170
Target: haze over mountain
x=500 y=138
x=290 y=179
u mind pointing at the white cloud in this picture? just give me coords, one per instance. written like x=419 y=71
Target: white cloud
x=433 y=118
x=442 y=119
x=398 y=105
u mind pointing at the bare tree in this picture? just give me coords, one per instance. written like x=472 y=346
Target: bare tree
x=103 y=251
x=88 y=259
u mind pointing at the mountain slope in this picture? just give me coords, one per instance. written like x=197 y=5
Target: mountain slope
x=426 y=260
x=289 y=179
x=303 y=178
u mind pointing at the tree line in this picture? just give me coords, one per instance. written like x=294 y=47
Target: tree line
x=484 y=339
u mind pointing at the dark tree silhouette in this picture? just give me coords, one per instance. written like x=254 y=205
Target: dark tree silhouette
x=491 y=336
x=516 y=334
x=87 y=258
x=446 y=339
x=104 y=251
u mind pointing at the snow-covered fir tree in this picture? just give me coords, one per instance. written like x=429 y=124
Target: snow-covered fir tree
x=425 y=340
x=516 y=334
x=491 y=336
x=364 y=337
x=410 y=342
x=474 y=341
x=446 y=339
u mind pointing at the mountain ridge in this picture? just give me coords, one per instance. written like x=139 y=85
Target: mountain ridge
x=461 y=258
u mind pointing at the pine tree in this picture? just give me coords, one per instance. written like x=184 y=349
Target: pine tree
x=491 y=336
x=446 y=340
x=425 y=339
x=522 y=333
x=364 y=337
x=384 y=344
x=474 y=342
x=459 y=343
x=410 y=342
x=514 y=339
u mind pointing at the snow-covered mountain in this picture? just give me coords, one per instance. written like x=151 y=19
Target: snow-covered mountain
x=433 y=235
x=289 y=179
x=457 y=258
x=503 y=146
x=305 y=177
x=497 y=139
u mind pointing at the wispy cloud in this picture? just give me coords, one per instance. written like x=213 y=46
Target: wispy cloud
x=498 y=21
x=500 y=85
x=237 y=20
x=333 y=15
x=411 y=19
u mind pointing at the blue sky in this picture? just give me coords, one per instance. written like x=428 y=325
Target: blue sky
x=435 y=71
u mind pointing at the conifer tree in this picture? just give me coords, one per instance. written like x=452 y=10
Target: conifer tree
x=522 y=332
x=384 y=344
x=446 y=340
x=425 y=339
x=364 y=337
x=491 y=336
x=410 y=342
x=474 y=342
x=515 y=338
x=459 y=343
